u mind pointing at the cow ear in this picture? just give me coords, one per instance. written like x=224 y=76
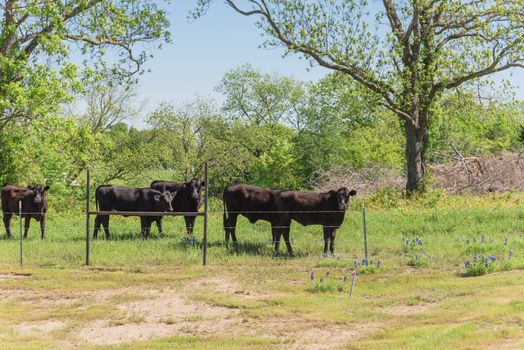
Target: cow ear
x=46 y=188
x=173 y=194
x=157 y=197
x=352 y=193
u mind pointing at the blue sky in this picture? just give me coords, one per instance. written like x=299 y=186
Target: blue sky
x=204 y=50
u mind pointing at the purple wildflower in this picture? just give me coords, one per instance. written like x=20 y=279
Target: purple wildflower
x=467 y=264
x=345 y=278
x=487 y=264
x=510 y=254
x=312 y=275
x=379 y=263
x=327 y=274
x=482 y=241
x=400 y=253
x=321 y=280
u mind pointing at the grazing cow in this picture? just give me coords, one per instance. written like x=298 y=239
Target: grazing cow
x=187 y=200
x=34 y=205
x=119 y=198
x=255 y=203
x=312 y=208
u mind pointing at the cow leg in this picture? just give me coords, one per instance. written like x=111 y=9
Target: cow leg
x=190 y=223
x=230 y=224
x=159 y=225
x=145 y=224
x=105 y=224
x=26 y=225
x=332 y=244
x=277 y=232
x=7 y=224
x=42 y=226
x=327 y=237
x=285 y=232
x=98 y=222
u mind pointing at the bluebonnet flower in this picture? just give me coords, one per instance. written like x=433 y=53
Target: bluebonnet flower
x=467 y=264
x=345 y=278
x=510 y=254
x=364 y=262
x=312 y=275
x=355 y=263
x=492 y=258
x=340 y=288
x=487 y=265
x=467 y=241
x=379 y=263
x=505 y=240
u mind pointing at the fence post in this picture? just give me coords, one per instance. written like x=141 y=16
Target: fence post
x=205 y=216
x=20 y=215
x=365 y=235
x=88 y=186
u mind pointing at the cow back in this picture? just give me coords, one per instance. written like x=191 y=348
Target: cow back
x=311 y=208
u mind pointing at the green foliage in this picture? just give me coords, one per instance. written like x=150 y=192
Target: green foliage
x=497 y=126
x=37 y=72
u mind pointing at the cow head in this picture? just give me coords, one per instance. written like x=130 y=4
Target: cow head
x=194 y=188
x=343 y=195
x=163 y=200
x=39 y=194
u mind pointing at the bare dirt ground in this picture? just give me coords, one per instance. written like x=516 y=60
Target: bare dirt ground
x=140 y=314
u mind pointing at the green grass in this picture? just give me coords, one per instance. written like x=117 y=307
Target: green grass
x=411 y=303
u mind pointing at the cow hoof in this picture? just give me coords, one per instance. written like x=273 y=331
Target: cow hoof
x=333 y=255
x=324 y=255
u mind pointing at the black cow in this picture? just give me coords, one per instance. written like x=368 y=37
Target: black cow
x=255 y=203
x=34 y=205
x=312 y=208
x=119 y=198
x=188 y=199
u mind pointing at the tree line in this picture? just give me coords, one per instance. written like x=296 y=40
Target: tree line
x=404 y=86
x=270 y=130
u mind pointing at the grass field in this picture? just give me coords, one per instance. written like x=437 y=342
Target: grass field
x=155 y=293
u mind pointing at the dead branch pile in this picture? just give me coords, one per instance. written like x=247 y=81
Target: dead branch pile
x=471 y=175
x=480 y=175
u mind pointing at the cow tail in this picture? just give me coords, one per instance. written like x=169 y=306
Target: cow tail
x=96 y=199
x=225 y=207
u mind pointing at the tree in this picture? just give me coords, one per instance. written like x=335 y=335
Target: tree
x=416 y=50
x=108 y=103
x=38 y=40
x=262 y=98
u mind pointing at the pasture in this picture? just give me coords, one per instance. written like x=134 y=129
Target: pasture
x=155 y=294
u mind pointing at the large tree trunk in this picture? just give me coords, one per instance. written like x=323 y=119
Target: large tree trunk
x=416 y=142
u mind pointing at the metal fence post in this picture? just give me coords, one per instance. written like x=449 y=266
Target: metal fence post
x=20 y=214
x=206 y=208
x=88 y=186
x=365 y=235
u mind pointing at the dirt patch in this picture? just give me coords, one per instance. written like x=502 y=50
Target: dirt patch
x=405 y=309
x=159 y=314
x=330 y=337
x=12 y=275
x=39 y=327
